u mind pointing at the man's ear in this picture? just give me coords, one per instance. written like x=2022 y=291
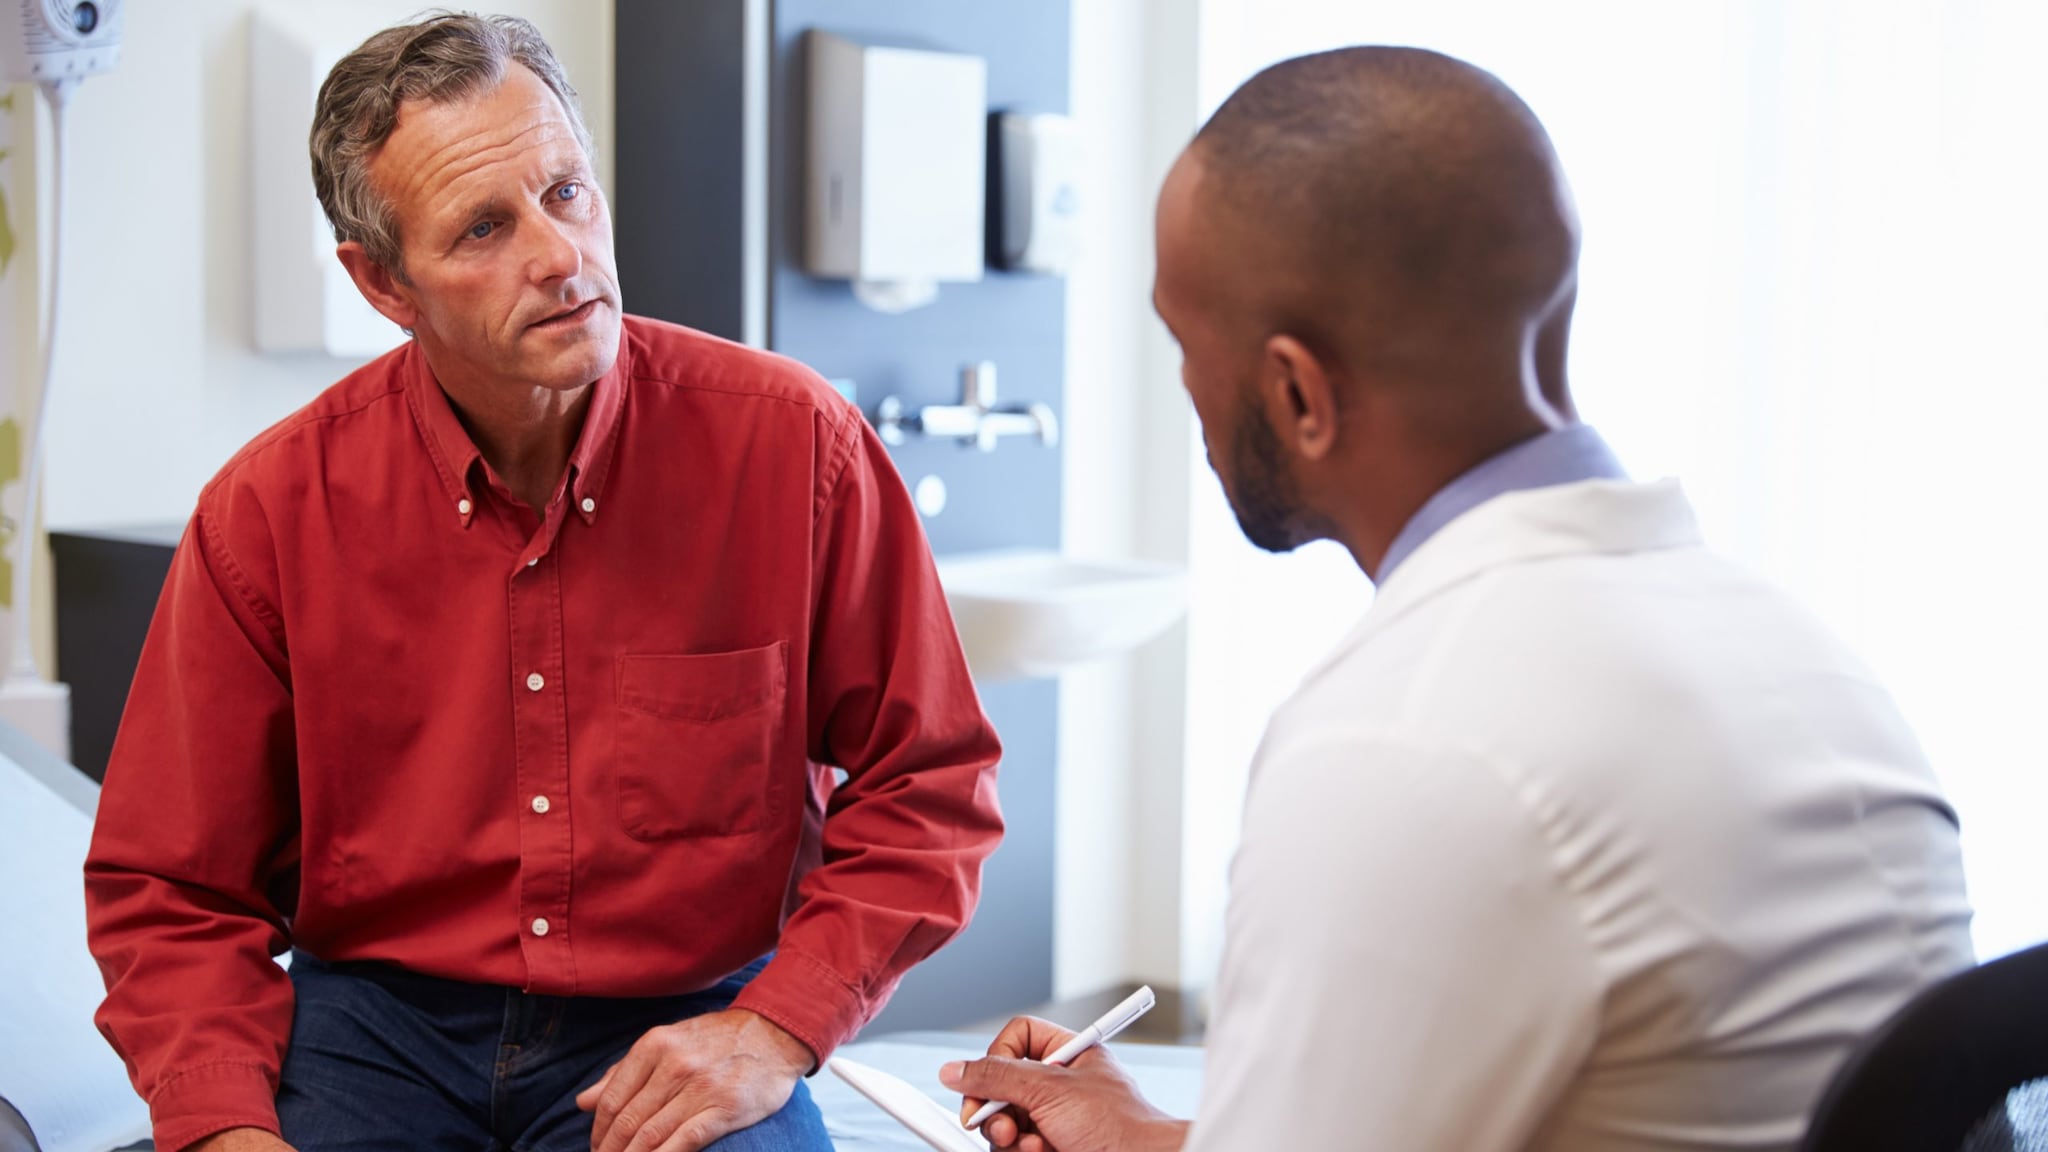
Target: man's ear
x=378 y=285
x=1301 y=399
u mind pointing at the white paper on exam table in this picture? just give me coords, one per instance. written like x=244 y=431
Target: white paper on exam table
x=54 y=1066
x=912 y=1108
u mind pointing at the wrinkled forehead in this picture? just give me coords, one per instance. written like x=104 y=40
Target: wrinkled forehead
x=446 y=150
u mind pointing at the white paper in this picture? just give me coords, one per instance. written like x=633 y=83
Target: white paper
x=54 y=1065
x=913 y=1109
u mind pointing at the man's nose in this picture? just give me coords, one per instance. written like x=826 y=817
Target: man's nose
x=554 y=254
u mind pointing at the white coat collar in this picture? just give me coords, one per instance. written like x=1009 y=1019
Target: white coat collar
x=1594 y=517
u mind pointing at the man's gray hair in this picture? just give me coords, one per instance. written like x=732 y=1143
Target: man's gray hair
x=441 y=58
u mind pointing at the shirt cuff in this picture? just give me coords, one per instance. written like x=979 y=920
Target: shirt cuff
x=195 y=1104
x=809 y=1001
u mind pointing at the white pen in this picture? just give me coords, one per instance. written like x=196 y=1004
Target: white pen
x=1113 y=1021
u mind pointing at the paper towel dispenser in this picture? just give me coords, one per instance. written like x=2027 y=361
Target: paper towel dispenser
x=896 y=178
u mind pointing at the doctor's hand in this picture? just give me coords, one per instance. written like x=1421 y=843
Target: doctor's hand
x=683 y=1086
x=1088 y=1106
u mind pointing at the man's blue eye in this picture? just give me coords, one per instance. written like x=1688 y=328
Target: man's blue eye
x=568 y=191
x=481 y=229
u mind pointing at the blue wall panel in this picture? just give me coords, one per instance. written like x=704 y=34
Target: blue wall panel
x=1006 y=498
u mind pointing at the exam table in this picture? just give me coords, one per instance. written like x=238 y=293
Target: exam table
x=54 y=1067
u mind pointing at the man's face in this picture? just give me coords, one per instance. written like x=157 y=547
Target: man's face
x=507 y=242
x=1199 y=296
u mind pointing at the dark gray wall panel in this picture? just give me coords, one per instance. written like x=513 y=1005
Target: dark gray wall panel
x=677 y=183
x=108 y=582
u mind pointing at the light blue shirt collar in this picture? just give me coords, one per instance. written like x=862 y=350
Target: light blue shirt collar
x=1564 y=456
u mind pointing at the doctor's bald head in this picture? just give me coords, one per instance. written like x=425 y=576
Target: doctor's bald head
x=1369 y=258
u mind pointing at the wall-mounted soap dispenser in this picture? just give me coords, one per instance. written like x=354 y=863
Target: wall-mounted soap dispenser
x=896 y=172
x=1038 y=169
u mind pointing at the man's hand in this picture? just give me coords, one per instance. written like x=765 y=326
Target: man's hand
x=241 y=1140
x=1088 y=1106
x=685 y=1085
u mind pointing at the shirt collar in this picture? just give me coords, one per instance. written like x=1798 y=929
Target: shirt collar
x=457 y=460
x=1563 y=456
x=1597 y=517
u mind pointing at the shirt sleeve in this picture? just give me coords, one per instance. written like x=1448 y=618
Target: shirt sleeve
x=891 y=703
x=1403 y=969
x=193 y=853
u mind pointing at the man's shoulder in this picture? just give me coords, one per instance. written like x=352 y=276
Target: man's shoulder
x=364 y=402
x=672 y=357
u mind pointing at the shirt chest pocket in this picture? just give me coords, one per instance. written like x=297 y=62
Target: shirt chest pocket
x=696 y=738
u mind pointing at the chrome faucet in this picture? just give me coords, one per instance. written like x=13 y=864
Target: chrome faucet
x=976 y=420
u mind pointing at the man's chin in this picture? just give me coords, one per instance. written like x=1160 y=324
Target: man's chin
x=575 y=361
x=1278 y=535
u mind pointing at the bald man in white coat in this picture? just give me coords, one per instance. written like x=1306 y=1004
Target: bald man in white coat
x=1584 y=839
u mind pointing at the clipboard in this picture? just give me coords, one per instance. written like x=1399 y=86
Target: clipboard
x=910 y=1107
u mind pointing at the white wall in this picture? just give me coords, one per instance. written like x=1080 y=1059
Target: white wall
x=1105 y=352
x=1123 y=788
x=158 y=381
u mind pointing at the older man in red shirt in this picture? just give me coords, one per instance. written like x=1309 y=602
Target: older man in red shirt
x=504 y=685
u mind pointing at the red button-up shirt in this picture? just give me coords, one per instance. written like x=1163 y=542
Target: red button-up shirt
x=387 y=712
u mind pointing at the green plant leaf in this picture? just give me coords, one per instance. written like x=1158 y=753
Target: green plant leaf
x=6 y=231
x=10 y=471
x=6 y=226
x=10 y=451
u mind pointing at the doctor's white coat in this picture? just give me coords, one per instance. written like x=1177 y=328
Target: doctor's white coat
x=1583 y=840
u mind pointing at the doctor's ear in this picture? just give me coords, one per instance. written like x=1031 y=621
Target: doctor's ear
x=1300 y=397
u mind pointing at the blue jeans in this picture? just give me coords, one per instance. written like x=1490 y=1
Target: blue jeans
x=383 y=1060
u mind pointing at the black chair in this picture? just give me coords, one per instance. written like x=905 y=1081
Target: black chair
x=1962 y=1068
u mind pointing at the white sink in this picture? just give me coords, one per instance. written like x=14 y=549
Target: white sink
x=1035 y=613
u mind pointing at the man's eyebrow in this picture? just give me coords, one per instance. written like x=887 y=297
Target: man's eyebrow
x=493 y=204
x=480 y=207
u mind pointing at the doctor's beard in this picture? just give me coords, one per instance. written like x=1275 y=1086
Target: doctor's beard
x=1261 y=490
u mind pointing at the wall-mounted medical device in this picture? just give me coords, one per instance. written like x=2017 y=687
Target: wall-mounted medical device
x=305 y=301
x=1038 y=161
x=895 y=183
x=53 y=42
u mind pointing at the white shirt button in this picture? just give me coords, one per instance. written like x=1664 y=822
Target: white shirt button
x=540 y=926
x=589 y=505
x=540 y=805
x=535 y=560
x=462 y=506
x=535 y=682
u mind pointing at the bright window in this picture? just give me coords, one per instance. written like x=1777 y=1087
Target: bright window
x=1814 y=287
